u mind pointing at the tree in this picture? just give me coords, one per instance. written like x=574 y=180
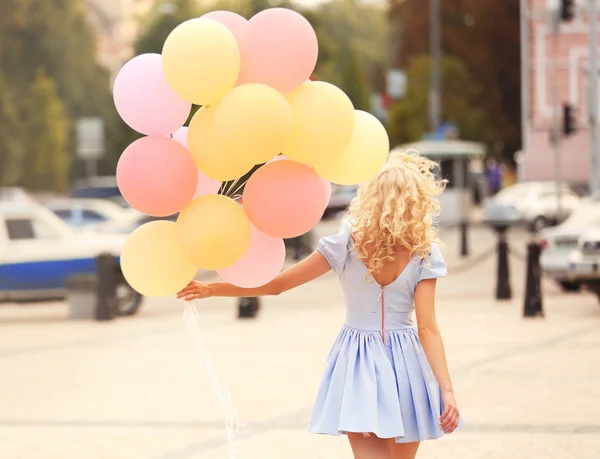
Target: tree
x=409 y=117
x=352 y=36
x=56 y=38
x=486 y=36
x=354 y=81
x=48 y=159
x=11 y=145
x=160 y=23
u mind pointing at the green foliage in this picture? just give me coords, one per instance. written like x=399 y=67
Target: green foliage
x=49 y=49
x=11 y=145
x=160 y=23
x=47 y=164
x=486 y=35
x=354 y=79
x=409 y=117
x=352 y=46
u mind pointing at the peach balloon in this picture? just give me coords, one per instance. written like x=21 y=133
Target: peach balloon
x=285 y=198
x=260 y=264
x=326 y=183
x=279 y=48
x=157 y=176
x=233 y=21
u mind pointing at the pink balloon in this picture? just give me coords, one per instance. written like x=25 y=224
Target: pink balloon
x=181 y=136
x=157 y=176
x=279 y=48
x=234 y=22
x=144 y=99
x=285 y=198
x=206 y=185
x=260 y=264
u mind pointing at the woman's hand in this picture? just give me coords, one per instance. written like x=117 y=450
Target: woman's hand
x=450 y=416
x=195 y=291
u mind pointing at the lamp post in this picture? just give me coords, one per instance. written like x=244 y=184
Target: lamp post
x=435 y=100
x=593 y=96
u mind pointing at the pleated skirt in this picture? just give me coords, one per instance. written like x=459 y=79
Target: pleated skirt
x=386 y=389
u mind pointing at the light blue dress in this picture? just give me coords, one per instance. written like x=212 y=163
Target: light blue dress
x=377 y=378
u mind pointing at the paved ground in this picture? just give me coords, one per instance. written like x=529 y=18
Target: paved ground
x=133 y=389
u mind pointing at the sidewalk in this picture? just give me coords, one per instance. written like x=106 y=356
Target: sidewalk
x=133 y=388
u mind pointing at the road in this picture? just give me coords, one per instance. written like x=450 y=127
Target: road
x=133 y=387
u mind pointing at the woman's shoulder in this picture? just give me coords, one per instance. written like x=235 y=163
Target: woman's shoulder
x=434 y=265
x=335 y=248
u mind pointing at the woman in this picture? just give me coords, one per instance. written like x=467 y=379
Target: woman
x=386 y=384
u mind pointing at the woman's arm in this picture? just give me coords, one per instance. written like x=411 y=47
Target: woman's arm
x=431 y=339
x=307 y=270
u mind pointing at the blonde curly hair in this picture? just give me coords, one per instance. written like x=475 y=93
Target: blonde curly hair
x=396 y=208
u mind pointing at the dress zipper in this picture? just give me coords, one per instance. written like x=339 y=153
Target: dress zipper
x=382 y=295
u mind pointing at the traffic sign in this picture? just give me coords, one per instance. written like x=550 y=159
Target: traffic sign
x=90 y=138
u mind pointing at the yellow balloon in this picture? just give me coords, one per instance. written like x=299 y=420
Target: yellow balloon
x=253 y=122
x=201 y=60
x=209 y=159
x=323 y=122
x=213 y=232
x=364 y=156
x=152 y=261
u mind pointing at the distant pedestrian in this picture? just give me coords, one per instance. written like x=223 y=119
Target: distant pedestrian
x=494 y=176
x=386 y=384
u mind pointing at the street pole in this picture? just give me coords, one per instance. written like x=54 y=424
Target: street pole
x=435 y=100
x=593 y=96
x=556 y=131
x=90 y=168
x=525 y=87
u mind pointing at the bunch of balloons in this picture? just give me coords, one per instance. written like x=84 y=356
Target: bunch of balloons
x=258 y=107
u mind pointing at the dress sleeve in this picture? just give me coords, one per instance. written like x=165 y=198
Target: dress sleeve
x=434 y=266
x=335 y=249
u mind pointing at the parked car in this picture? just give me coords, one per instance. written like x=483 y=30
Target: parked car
x=341 y=196
x=535 y=203
x=129 y=224
x=15 y=194
x=560 y=241
x=38 y=252
x=80 y=212
x=584 y=262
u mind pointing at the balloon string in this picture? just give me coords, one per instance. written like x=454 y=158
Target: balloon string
x=239 y=187
x=192 y=321
x=231 y=186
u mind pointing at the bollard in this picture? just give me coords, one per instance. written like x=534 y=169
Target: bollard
x=533 y=289
x=248 y=307
x=107 y=306
x=503 y=290
x=464 y=243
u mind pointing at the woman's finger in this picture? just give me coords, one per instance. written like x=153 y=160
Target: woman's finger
x=188 y=288
x=452 y=423
x=447 y=421
x=445 y=413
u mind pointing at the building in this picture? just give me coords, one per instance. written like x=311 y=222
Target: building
x=554 y=73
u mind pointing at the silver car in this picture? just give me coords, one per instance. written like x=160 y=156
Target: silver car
x=560 y=241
